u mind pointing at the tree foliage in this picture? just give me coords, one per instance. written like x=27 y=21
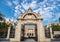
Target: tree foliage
x=55 y=27
x=1 y=17
x=3 y=25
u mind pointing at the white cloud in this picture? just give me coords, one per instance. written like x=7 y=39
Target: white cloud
x=58 y=15
x=22 y=10
x=58 y=0
x=16 y=13
x=26 y=5
x=17 y=7
x=17 y=10
x=12 y=19
x=15 y=2
x=33 y=4
x=46 y=11
x=45 y=8
x=9 y=3
x=7 y=19
x=59 y=5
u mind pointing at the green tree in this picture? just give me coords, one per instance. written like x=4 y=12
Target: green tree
x=1 y=17
x=55 y=27
x=3 y=26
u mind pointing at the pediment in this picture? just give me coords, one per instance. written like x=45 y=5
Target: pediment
x=29 y=16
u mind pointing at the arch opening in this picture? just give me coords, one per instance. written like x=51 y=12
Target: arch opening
x=29 y=31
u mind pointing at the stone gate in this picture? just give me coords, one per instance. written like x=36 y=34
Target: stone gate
x=30 y=18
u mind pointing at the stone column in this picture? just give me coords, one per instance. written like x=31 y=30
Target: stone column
x=51 y=33
x=18 y=32
x=8 y=34
x=40 y=31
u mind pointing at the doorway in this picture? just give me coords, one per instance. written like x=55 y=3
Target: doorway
x=29 y=31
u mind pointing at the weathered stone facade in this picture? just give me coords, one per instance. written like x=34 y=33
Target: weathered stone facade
x=30 y=18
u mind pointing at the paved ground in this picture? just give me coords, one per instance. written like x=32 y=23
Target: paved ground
x=29 y=40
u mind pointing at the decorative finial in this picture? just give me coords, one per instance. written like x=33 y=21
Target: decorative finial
x=21 y=13
x=39 y=13
x=29 y=10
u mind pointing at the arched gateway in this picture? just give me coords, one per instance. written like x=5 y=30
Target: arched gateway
x=30 y=25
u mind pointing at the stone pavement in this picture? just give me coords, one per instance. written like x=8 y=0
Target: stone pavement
x=29 y=40
x=32 y=40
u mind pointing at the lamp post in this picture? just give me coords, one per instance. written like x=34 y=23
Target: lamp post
x=9 y=27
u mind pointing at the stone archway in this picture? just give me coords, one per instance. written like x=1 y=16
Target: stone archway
x=30 y=18
x=29 y=31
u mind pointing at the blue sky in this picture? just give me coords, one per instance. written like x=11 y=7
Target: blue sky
x=49 y=9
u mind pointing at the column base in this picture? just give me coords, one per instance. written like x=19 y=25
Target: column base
x=14 y=40
x=45 y=40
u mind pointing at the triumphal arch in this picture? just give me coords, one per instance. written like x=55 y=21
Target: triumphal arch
x=30 y=25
